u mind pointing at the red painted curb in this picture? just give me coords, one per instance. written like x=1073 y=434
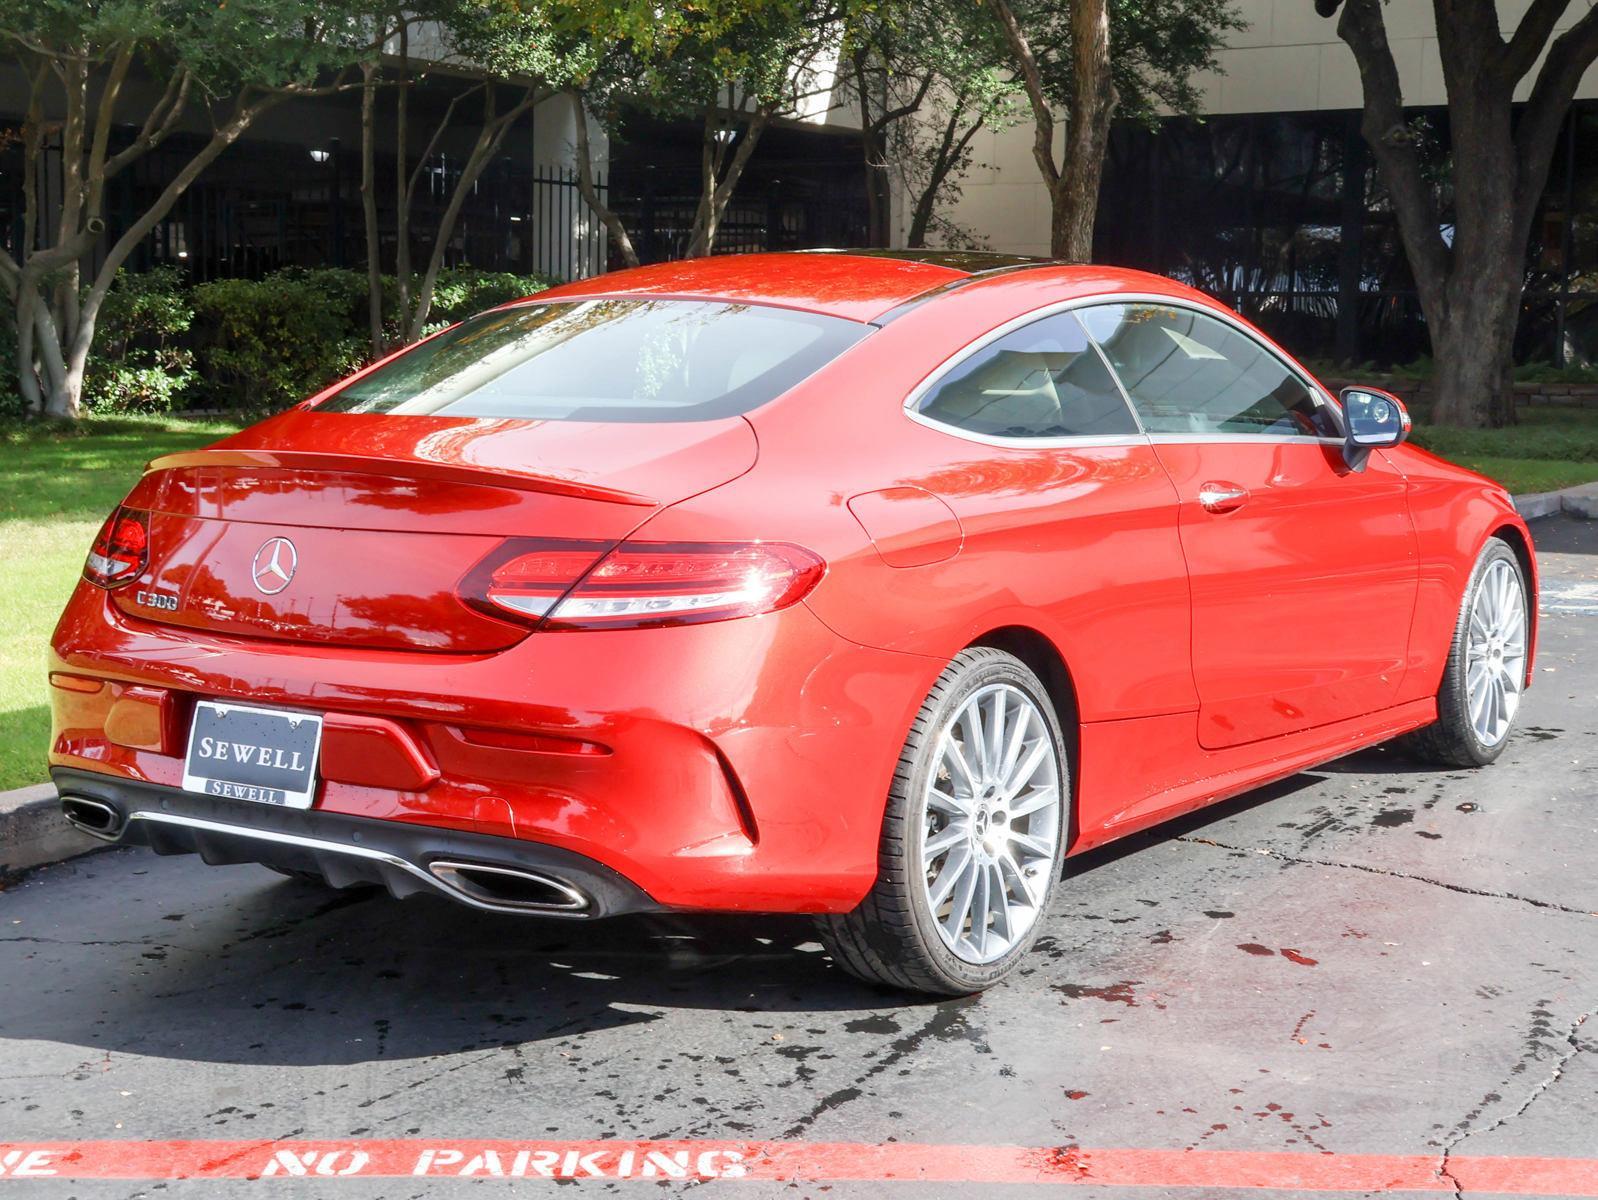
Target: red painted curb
x=796 y=1161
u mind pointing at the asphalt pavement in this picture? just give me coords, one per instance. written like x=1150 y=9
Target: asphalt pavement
x=1369 y=961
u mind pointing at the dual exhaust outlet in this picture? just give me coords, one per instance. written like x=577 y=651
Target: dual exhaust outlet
x=93 y=817
x=507 y=889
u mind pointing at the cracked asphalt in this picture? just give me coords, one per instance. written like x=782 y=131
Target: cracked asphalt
x=1368 y=958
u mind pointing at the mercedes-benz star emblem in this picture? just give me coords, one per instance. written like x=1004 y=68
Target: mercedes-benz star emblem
x=274 y=566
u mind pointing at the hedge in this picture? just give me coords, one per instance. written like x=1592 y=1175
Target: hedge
x=248 y=345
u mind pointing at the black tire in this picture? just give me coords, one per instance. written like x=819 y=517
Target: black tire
x=890 y=939
x=1452 y=740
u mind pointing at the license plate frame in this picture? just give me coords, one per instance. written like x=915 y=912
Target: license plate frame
x=247 y=752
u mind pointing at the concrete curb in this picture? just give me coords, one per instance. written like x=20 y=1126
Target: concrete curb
x=1580 y=501
x=33 y=833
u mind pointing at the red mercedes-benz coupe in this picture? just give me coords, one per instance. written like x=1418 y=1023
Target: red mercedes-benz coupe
x=867 y=585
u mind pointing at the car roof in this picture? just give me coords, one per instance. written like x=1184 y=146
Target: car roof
x=860 y=285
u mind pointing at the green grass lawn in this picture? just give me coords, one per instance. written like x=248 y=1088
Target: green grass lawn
x=1552 y=447
x=55 y=489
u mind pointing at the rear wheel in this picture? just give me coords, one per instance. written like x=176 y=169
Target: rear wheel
x=972 y=839
x=1486 y=672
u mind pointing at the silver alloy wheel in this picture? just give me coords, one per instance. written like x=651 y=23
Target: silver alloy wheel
x=1495 y=652
x=991 y=823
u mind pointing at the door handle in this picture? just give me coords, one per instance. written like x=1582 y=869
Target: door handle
x=1221 y=497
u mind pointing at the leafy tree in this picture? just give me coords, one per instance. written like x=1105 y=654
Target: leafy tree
x=1094 y=58
x=518 y=62
x=906 y=58
x=1468 y=256
x=219 y=64
x=733 y=66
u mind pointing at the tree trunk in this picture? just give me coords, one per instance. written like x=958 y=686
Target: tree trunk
x=1075 y=197
x=64 y=351
x=374 y=246
x=717 y=186
x=56 y=314
x=1473 y=342
x=879 y=189
x=1074 y=185
x=590 y=192
x=950 y=153
x=873 y=148
x=404 y=186
x=1470 y=283
x=921 y=220
x=489 y=137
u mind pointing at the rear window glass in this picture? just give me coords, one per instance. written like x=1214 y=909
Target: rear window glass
x=613 y=359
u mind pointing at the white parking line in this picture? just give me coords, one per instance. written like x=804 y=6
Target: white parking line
x=1569 y=596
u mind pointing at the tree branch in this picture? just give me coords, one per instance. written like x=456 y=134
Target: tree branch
x=489 y=138
x=160 y=121
x=409 y=196
x=1538 y=131
x=104 y=115
x=1530 y=36
x=1026 y=64
x=913 y=105
x=225 y=135
x=585 y=184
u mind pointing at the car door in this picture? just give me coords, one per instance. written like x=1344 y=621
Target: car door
x=1303 y=572
x=1068 y=518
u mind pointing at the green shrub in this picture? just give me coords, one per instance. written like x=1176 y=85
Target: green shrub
x=1546 y=372
x=250 y=346
x=265 y=344
x=137 y=363
x=462 y=292
x=11 y=408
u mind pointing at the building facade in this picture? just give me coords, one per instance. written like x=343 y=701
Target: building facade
x=288 y=194
x=1271 y=200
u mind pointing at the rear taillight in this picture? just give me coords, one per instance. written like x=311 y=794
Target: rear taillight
x=577 y=585
x=525 y=578
x=121 y=551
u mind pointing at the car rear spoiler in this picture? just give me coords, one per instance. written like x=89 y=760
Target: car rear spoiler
x=398 y=468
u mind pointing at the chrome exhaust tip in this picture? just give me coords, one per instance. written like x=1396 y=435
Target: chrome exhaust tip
x=510 y=888
x=94 y=817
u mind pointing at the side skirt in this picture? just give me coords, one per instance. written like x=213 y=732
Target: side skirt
x=1137 y=773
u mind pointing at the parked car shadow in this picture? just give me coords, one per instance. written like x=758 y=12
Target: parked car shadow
x=285 y=972
x=249 y=968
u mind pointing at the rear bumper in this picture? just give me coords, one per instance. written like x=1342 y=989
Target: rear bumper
x=734 y=766
x=493 y=873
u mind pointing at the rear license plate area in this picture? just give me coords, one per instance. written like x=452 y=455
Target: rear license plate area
x=263 y=755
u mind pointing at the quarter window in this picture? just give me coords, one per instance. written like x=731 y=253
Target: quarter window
x=1189 y=373
x=1043 y=380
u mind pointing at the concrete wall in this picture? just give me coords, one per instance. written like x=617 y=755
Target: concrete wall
x=1286 y=60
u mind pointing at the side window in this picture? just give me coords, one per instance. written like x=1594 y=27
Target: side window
x=1189 y=373
x=1041 y=381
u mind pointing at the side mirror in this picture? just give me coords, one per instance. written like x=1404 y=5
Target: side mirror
x=1374 y=419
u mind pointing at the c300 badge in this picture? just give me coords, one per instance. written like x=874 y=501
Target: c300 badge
x=156 y=600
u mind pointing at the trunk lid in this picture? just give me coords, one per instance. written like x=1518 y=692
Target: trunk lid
x=357 y=529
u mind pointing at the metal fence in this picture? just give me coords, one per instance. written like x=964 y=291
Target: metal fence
x=279 y=206
x=804 y=206
x=567 y=240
